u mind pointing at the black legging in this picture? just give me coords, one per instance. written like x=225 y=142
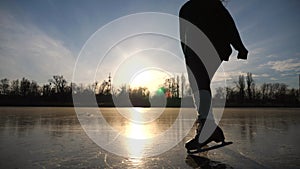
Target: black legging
x=198 y=71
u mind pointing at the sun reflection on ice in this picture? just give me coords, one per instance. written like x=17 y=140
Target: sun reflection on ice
x=137 y=137
x=136 y=141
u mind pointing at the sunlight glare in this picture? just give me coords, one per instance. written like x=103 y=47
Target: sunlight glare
x=137 y=136
x=136 y=128
x=152 y=78
x=135 y=142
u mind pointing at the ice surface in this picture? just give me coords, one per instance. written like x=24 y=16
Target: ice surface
x=53 y=138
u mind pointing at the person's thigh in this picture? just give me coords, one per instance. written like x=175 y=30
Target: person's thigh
x=197 y=73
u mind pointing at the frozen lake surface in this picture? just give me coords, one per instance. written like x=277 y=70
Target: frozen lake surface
x=43 y=137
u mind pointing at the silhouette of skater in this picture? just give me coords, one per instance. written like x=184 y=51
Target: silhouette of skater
x=213 y=19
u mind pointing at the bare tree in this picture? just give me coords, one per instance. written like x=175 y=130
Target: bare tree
x=4 y=86
x=177 y=86
x=124 y=90
x=263 y=89
x=95 y=85
x=59 y=83
x=25 y=87
x=282 y=92
x=105 y=88
x=220 y=93
x=241 y=87
x=46 y=90
x=172 y=86
x=140 y=92
x=183 y=85
x=34 y=88
x=250 y=84
x=15 y=87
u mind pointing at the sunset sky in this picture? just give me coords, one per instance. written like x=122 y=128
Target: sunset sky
x=39 y=39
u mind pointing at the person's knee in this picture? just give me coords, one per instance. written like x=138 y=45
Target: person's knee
x=204 y=86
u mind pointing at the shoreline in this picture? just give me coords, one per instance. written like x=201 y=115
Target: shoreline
x=145 y=106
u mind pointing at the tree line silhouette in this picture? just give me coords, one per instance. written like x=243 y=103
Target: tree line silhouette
x=247 y=93
x=58 y=92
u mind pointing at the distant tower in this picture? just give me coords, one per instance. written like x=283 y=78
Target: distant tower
x=109 y=84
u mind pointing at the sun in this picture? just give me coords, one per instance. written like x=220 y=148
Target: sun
x=151 y=78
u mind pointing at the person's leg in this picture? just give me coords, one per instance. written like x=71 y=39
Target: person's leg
x=200 y=84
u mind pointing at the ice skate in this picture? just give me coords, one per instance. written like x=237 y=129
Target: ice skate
x=193 y=145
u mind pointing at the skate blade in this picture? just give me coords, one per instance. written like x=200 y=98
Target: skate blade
x=209 y=148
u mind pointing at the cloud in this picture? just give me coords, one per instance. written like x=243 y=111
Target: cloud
x=227 y=76
x=257 y=51
x=284 y=65
x=273 y=78
x=285 y=74
x=272 y=56
x=261 y=75
x=27 y=51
